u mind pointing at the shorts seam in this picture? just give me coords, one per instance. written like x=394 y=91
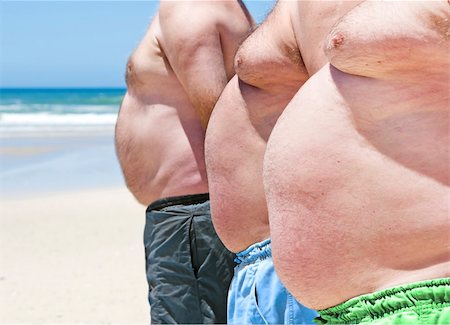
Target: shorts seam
x=389 y=292
x=290 y=299
x=255 y=261
x=398 y=311
x=384 y=294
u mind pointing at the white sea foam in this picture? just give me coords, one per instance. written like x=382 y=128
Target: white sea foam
x=56 y=108
x=12 y=124
x=54 y=111
x=46 y=119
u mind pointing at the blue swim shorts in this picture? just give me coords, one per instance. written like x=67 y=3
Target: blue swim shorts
x=256 y=294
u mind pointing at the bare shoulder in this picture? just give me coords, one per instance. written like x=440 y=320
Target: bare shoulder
x=194 y=17
x=390 y=38
x=193 y=32
x=190 y=27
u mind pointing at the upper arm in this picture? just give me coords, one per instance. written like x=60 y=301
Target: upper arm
x=391 y=39
x=192 y=43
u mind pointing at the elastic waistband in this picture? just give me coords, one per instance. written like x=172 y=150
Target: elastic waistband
x=387 y=301
x=175 y=200
x=258 y=251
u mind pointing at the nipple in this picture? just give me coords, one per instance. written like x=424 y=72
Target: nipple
x=336 y=41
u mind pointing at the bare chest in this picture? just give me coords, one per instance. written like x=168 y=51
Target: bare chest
x=405 y=121
x=312 y=22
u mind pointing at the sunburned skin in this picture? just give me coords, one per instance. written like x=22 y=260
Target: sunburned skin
x=357 y=167
x=159 y=133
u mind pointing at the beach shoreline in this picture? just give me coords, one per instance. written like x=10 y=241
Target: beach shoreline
x=42 y=164
x=71 y=234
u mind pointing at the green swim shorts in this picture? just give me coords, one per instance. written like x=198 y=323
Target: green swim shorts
x=426 y=302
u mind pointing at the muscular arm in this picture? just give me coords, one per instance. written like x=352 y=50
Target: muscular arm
x=191 y=41
x=393 y=38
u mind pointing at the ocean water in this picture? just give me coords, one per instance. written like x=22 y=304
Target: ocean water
x=58 y=110
x=54 y=140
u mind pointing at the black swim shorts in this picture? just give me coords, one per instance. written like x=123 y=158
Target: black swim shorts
x=188 y=268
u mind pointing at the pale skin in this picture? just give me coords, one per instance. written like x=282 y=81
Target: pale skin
x=174 y=78
x=356 y=171
x=270 y=69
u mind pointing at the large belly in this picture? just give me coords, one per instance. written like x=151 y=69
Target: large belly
x=161 y=152
x=235 y=148
x=346 y=217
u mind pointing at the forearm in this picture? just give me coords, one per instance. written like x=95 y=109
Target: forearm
x=203 y=78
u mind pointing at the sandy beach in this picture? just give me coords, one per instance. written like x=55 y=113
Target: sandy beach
x=70 y=238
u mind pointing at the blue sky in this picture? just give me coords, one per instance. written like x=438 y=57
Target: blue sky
x=75 y=43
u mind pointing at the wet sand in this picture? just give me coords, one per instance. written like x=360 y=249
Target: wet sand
x=70 y=234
